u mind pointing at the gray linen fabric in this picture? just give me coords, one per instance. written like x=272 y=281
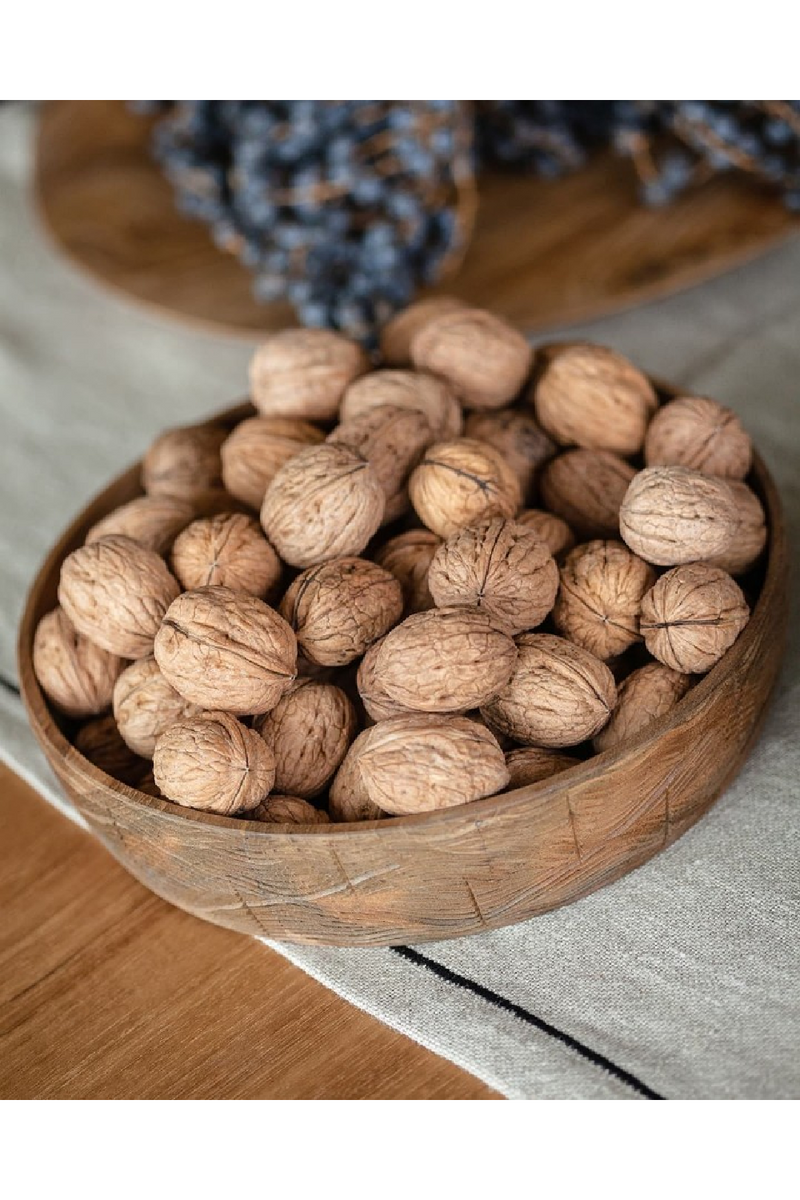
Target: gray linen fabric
x=681 y=980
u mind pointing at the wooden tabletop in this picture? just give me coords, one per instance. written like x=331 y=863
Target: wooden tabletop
x=107 y=992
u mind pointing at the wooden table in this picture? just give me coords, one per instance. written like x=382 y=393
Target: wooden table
x=107 y=992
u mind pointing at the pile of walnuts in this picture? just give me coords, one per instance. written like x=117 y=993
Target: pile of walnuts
x=404 y=588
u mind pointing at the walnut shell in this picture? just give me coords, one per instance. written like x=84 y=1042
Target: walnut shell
x=229 y=550
x=76 y=675
x=691 y=616
x=340 y=608
x=695 y=432
x=308 y=731
x=550 y=529
x=671 y=515
x=257 y=449
x=348 y=799
x=417 y=763
x=324 y=503
x=227 y=650
x=515 y=435
x=586 y=488
x=184 y=462
x=115 y=592
x=214 y=763
x=445 y=660
x=499 y=567
x=99 y=740
x=460 y=482
x=399 y=332
x=600 y=597
x=484 y=358
x=417 y=390
x=531 y=764
x=408 y=556
x=592 y=397
x=647 y=694
x=559 y=694
x=751 y=532
x=288 y=810
x=391 y=439
x=377 y=702
x=304 y=373
x=152 y=521
x=145 y=706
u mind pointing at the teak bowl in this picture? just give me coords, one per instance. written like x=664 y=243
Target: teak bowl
x=441 y=874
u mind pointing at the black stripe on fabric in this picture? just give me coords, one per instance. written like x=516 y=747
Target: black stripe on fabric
x=477 y=989
x=9 y=686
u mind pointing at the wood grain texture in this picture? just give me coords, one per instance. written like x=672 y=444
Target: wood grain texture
x=106 y=992
x=446 y=873
x=544 y=251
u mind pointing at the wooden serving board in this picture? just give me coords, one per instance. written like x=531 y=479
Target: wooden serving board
x=544 y=252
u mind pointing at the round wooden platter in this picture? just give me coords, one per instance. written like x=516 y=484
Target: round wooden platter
x=544 y=252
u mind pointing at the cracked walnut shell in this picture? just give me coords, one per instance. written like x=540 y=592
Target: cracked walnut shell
x=408 y=556
x=288 y=810
x=304 y=373
x=559 y=694
x=645 y=696
x=214 y=763
x=416 y=390
x=593 y=397
x=152 y=521
x=460 y=482
x=600 y=597
x=338 y=609
x=585 y=488
x=115 y=592
x=671 y=515
x=145 y=706
x=691 y=616
x=500 y=568
x=227 y=650
x=695 y=432
x=324 y=503
x=514 y=434
x=308 y=731
x=76 y=675
x=184 y=462
x=484 y=358
x=229 y=550
x=257 y=449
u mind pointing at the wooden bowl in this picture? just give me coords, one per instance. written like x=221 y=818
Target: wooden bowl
x=441 y=874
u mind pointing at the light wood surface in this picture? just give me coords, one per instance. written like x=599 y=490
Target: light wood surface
x=544 y=251
x=108 y=992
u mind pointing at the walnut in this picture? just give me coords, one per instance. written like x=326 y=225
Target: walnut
x=600 y=597
x=229 y=550
x=590 y=396
x=377 y=702
x=695 y=432
x=256 y=450
x=288 y=810
x=152 y=521
x=99 y=740
x=522 y=443
x=226 y=649
x=460 y=482
x=308 y=731
x=691 y=616
x=399 y=332
x=751 y=532
x=532 y=764
x=145 y=706
x=324 y=503
x=304 y=373
x=417 y=390
x=586 y=488
x=338 y=609
x=184 y=462
x=559 y=694
x=443 y=661
x=499 y=567
x=76 y=675
x=417 y=763
x=484 y=358
x=408 y=556
x=115 y=593
x=215 y=763
x=555 y=533
x=647 y=694
x=391 y=439
x=671 y=515
x=348 y=799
